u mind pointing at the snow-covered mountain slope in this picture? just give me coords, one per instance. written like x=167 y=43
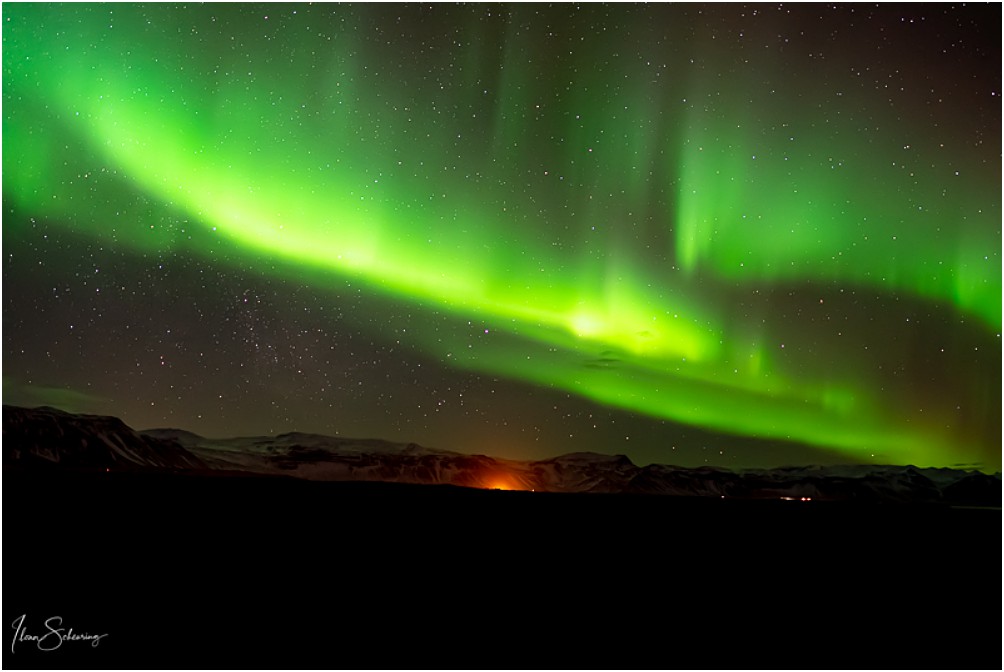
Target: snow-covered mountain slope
x=316 y=457
x=49 y=436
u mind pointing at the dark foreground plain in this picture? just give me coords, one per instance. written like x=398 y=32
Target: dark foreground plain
x=210 y=571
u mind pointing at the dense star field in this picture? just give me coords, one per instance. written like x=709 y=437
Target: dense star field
x=692 y=234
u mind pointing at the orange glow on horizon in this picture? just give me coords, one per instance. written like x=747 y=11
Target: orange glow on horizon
x=502 y=483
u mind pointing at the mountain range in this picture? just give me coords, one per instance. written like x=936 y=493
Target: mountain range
x=48 y=438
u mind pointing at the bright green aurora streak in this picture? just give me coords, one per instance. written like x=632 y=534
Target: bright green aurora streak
x=617 y=212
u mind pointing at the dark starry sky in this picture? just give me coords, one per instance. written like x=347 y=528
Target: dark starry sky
x=742 y=235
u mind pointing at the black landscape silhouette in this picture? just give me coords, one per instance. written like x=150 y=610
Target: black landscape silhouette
x=184 y=561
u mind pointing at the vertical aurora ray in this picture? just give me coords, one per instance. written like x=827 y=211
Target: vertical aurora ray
x=785 y=180
x=621 y=214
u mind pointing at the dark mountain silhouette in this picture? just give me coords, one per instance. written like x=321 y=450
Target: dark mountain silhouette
x=52 y=438
x=49 y=437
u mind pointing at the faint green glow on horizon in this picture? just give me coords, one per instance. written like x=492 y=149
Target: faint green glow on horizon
x=826 y=415
x=354 y=174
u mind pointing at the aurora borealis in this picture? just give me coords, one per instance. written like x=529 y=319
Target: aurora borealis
x=738 y=235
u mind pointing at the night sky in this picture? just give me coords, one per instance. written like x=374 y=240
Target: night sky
x=692 y=234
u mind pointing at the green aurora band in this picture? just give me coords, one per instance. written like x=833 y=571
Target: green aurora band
x=602 y=214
